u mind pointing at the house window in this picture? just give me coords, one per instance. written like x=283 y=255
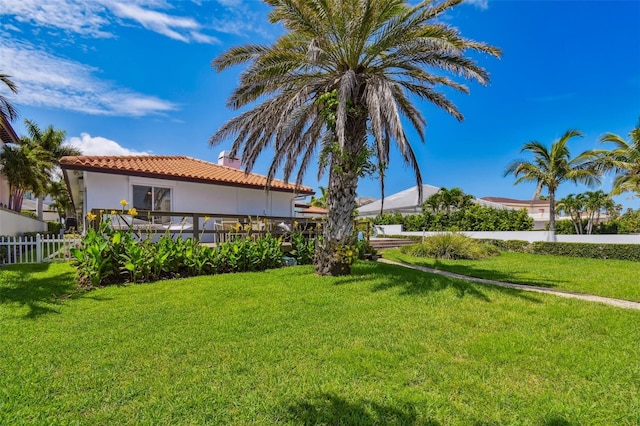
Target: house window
x=151 y=198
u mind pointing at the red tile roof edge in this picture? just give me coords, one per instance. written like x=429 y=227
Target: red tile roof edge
x=78 y=163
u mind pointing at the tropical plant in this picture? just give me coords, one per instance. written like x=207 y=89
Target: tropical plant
x=447 y=200
x=451 y=245
x=573 y=206
x=35 y=160
x=624 y=160
x=7 y=111
x=26 y=168
x=552 y=166
x=320 y=201
x=50 y=140
x=596 y=204
x=61 y=199
x=338 y=82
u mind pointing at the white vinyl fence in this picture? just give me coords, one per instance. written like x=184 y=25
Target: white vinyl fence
x=38 y=249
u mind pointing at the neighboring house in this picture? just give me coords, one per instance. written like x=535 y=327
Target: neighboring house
x=406 y=202
x=537 y=209
x=307 y=210
x=176 y=184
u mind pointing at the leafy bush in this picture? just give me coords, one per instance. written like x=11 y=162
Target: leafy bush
x=54 y=227
x=518 y=246
x=594 y=251
x=451 y=246
x=110 y=256
x=473 y=217
x=29 y=213
x=588 y=250
x=302 y=249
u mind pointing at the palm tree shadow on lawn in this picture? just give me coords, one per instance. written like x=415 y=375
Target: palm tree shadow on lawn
x=332 y=409
x=41 y=295
x=488 y=274
x=416 y=283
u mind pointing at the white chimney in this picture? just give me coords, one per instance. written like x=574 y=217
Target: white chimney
x=225 y=159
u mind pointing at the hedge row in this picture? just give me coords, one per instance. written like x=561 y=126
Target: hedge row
x=593 y=251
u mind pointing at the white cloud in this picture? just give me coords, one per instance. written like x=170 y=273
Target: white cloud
x=50 y=81
x=80 y=17
x=94 y=18
x=98 y=145
x=480 y=4
x=175 y=27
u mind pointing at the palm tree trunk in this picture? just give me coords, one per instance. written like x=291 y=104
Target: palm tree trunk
x=335 y=253
x=552 y=215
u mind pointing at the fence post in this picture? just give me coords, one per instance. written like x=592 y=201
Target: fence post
x=38 y=248
x=196 y=227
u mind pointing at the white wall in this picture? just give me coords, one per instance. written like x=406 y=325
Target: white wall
x=4 y=190
x=105 y=191
x=12 y=223
x=532 y=236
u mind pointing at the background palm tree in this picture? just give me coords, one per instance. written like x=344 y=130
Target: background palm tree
x=50 y=140
x=337 y=84
x=62 y=201
x=573 y=206
x=27 y=168
x=448 y=200
x=552 y=166
x=624 y=160
x=320 y=201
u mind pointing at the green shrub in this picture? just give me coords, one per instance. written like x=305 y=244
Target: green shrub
x=108 y=257
x=594 y=251
x=29 y=213
x=588 y=250
x=54 y=227
x=473 y=217
x=518 y=246
x=451 y=246
x=302 y=249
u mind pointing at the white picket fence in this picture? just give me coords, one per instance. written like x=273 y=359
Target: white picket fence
x=38 y=249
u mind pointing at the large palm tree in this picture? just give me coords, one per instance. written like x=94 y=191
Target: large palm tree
x=552 y=166
x=7 y=111
x=624 y=160
x=336 y=85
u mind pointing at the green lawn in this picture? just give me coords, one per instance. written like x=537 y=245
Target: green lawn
x=610 y=278
x=386 y=345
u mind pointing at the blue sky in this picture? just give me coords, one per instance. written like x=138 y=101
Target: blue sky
x=124 y=77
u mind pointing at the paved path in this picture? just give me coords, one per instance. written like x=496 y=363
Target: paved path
x=591 y=298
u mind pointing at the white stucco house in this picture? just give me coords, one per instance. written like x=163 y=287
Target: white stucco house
x=175 y=184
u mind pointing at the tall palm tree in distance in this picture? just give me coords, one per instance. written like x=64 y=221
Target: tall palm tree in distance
x=624 y=160
x=27 y=168
x=335 y=86
x=51 y=141
x=552 y=166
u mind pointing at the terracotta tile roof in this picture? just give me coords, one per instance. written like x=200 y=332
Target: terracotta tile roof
x=314 y=210
x=176 y=167
x=514 y=201
x=7 y=134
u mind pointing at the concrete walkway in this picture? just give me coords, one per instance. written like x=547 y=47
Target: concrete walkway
x=588 y=297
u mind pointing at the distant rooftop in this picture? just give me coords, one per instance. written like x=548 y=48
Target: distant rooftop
x=504 y=200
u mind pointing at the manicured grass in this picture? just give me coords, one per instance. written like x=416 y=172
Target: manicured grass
x=386 y=345
x=610 y=278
